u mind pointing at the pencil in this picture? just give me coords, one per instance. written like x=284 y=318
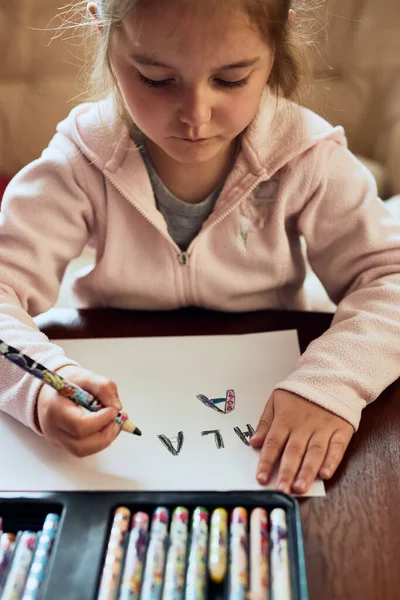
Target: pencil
x=155 y=560
x=37 y=569
x=175 y=566
x=115 y=553
x=280 y=567
x=135 y=558
x=18 y=573
x=66 y=389
x=218 y=545
x=259 y=555
x=238 y=544
x=196 y=574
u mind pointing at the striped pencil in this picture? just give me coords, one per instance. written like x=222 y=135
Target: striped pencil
x=259 y=555
x=114 y=556
x=280 y=575
x=238 y=555
x=155 y=561
x=7 y=547
x=63 y=387
x=135 y=557
x=41 y=557
x=19 y=569
x=174 y=579
x=196 y=577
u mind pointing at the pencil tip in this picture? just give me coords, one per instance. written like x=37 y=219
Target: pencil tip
x=137 y=431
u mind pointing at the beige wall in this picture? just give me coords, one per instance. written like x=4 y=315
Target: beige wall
x=37 y=81
x=361 y=91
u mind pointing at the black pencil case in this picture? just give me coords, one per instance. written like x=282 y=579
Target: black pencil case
x=76 y=562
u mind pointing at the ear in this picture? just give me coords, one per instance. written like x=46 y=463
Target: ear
x=93 y=10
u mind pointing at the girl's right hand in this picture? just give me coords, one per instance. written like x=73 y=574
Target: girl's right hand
x=64 y=424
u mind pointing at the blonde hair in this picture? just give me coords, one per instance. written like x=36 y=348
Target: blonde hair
x=291 y=40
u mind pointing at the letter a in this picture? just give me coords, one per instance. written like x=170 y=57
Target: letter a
x=174 y=444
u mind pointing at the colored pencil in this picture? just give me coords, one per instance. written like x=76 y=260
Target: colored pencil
x=18 y=572
x=259 y=555
x=135 y=557
x=218 y=547
x=280 y=575
x=174 y=578
x=7 y=547
x=114 y=555
x=238 y=555
x=41 y=557
x=196 y=577
x=63 y=387
x=155 y=560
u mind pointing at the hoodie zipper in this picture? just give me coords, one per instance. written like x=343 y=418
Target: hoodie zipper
x=184 y=255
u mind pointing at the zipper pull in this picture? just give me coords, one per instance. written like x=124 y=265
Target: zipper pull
x=183 y=258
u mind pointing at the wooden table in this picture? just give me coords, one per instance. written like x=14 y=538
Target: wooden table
x=351 y=537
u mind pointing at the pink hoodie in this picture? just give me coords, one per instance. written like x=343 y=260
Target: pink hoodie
x=294 y=176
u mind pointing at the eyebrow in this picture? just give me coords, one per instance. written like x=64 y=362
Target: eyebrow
x=142 y=59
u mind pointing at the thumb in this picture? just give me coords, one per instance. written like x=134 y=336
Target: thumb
x=264 y=424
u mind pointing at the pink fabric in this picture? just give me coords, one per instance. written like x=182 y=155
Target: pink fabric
x=294 y=176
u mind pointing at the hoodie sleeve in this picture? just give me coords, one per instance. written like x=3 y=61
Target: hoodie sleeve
x=45 y=220
x=353 y=245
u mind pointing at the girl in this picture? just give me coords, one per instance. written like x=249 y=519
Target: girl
x=194 y=181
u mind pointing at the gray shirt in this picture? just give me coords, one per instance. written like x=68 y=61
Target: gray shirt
x=184 y=220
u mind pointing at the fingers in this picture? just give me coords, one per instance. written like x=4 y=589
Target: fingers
x=64 y=424
x=271 y=451
x=102 y=388
x=77 y=422
x=337 y=447
x=92 y=443
x=312 y=461
x=263 y=426
x=291 y=461
x=304 y=458
x=307 y=439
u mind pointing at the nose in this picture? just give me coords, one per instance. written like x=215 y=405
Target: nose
x=195 y=108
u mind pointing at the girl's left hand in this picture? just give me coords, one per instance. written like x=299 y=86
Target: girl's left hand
x=308 y=439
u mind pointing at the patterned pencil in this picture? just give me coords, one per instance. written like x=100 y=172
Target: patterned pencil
x=218 y=547
x=238 y=555
x=135 y=556
x=280 y=575
x=114 y=555
x=259 y=555
x=174 y=579
x=155 y=561
x=7 y=546
x=68 y=390
x=196 y=577
x=18 y=572
x=41 y=557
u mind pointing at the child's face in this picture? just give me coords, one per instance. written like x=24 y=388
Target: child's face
x=188 y=94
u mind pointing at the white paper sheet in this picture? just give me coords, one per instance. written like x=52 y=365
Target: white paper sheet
x=159 y=380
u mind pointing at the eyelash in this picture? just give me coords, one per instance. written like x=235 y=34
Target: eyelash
x=232 y=85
